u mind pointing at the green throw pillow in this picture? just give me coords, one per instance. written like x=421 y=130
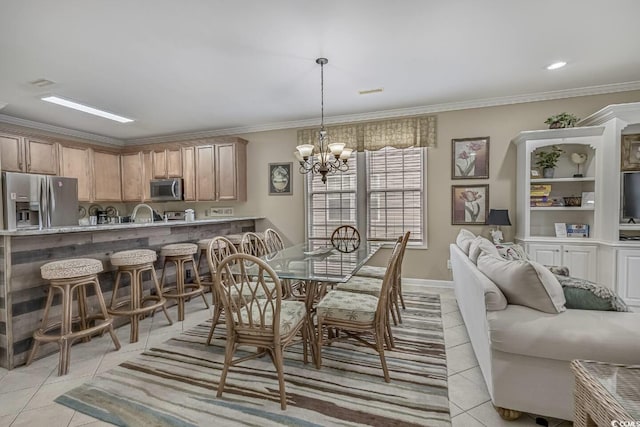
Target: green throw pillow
x=582 y=294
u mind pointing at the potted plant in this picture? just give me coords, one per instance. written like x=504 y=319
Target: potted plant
x=547 y=160
x=562 y=120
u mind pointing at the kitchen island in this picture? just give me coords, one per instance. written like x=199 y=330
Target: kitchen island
x=23 y=252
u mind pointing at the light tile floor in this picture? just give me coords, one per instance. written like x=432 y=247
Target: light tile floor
x=27 y=393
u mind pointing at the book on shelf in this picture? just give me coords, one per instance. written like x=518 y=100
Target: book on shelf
x=538 y=190
x=561 y=229
x=577 y=230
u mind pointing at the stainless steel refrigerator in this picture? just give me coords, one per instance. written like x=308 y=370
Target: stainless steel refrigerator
x=39 y=201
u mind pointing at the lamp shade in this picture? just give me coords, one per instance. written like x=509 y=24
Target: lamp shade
x=499 y=217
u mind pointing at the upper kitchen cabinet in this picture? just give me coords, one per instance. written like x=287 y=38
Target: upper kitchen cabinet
x=231 y=171
x=167 y=163
x=74 y=163
x=107 y=176
x=221 y=171
x=22 y=154
x=132 y=177
x=188 y=173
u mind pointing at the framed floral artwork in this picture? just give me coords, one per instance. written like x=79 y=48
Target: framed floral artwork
x=469 y=204
x=280 y=179
x=470 y=158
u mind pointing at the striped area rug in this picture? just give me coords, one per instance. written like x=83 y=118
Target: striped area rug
x=175 y=383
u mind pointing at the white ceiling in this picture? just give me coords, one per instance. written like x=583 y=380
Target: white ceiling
x=226 y=66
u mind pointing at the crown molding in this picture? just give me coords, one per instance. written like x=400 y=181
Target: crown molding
x=62 y=131
x=348 y=118
x=401 y=112
x=627 y=112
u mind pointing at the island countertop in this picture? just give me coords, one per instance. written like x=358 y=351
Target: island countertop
x=23 y=292
x=123 y=226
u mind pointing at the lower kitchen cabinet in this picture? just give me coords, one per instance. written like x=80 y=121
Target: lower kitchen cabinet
x=628 y=286
x=580 y=259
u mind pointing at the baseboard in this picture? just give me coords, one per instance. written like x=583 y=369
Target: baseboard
x=410 y=284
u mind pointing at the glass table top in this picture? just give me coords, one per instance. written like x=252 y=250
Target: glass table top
x=621 y=382
x=319 y=263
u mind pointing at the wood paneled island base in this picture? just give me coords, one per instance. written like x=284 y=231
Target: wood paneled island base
x=23 y=291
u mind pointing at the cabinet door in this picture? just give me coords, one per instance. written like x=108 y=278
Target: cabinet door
x=159 y=163
x=628 y=273
x=205 y=173
x=107 y=177
x=42 y=157
x=132 y=177
x=12 y=151
x=546 y=254
x=75 y=163
x=226 y=172
x=188 y=173
x=147 y=166
x=581 y=260
x=174 y=163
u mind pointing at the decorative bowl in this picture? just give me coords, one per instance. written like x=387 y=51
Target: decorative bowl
x=573 y=201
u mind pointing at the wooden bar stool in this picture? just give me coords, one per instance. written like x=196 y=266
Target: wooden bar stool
x=69 y=276
x=180 y=254
x=134 y=263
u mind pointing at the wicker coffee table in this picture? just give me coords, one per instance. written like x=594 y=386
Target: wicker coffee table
x=606 y=393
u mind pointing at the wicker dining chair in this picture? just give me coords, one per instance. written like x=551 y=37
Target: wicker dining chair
x=357 y=314
x=345 y=238
x=219 y=248
x=272 y=240
x=373 y=286
x=252 y=244
x=269 y=322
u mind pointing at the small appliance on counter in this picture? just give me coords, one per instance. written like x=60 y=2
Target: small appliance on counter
x=174 y=215
x=189 y=215
x=39 y=201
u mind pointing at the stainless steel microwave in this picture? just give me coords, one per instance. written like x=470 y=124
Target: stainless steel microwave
x=166 y=189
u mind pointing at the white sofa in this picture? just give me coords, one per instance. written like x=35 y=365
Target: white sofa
x=524 y=354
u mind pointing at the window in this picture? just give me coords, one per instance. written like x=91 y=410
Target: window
x=382 y=195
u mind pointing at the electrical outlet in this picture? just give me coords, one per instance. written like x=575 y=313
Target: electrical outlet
x=448 y=264
x=188 y=274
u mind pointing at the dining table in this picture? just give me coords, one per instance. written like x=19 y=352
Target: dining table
x=316 y=266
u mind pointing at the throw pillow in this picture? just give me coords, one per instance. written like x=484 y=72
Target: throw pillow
x=512 y=252
x=464 y=240
x=582 y=294
x=480 y=244
x=524 y=283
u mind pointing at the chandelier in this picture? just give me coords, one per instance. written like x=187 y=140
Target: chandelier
x=327 y=157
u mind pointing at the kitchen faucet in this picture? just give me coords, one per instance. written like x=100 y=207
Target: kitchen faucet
x=138 y=206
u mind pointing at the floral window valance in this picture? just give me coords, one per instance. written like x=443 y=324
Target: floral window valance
x=398 y=133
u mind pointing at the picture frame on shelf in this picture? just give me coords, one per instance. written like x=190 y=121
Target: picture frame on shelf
x=470 y=158
x=469 y=204
x=630 y=152
x=588 y=199
x=280 y=180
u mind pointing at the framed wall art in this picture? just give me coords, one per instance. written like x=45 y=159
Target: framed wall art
x=469 y=204
x=470 y=158
x=280 y=182
x=630 y=153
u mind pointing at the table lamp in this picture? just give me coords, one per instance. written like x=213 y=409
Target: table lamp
x=498 y=217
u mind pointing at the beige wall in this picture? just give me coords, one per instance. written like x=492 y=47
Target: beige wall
x=501 y=124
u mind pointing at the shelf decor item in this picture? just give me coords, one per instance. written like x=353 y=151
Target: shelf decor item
x=547 y=160
x=630 y=153
x=280 y=179
x=562 y=120
x=470 y=158
x=469 y=204
x=578 y=159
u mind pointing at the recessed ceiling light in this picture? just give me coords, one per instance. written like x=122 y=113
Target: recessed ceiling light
x=368 y=91
x=85 y=108
x=556 y=65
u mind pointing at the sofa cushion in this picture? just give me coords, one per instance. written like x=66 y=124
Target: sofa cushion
x=480 y=244
x=524 y=282
x=464 y=240
x=574 y=334
x=512 y=252
x=582 y=294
